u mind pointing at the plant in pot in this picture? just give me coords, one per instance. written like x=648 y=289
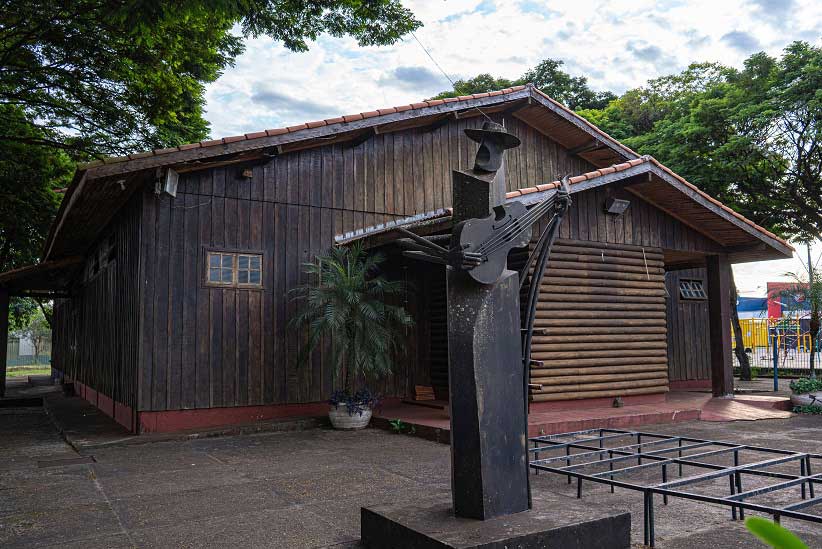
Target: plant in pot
x=806 y=394
x=347 y=302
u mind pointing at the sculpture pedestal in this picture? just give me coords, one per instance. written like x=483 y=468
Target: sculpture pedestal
x=489 y=472
x=549 y=524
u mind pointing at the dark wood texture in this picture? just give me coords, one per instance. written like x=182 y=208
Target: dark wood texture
x=96 y=331
x=4 y=336
x=719 y=315
x=689 y=350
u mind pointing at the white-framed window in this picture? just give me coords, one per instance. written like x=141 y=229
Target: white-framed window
x=692 y=289
x=234 y=269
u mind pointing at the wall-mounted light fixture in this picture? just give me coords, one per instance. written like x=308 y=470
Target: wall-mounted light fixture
x=616 y=206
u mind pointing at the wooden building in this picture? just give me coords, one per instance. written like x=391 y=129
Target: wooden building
x=171 y=269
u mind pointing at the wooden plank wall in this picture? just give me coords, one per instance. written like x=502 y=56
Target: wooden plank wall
x=208 y=347
x=96 y=330
x=689 y=352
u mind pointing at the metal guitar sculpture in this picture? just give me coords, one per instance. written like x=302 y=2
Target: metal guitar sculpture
x=488 y=333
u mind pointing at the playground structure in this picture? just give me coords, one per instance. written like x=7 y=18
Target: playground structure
x=785 y=341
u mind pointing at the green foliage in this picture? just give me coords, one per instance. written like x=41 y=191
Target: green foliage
x=479 y=84
x=29 y=176
x=572 y=91
x=91 y=78
x=347 y=300
x=806 y=385
x=399 y=427
x=114 y=76
x=751 y=138
x=773 y=534
x=22 y=311
x=809 y=409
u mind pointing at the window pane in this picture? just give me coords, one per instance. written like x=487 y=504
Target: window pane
x=242 y=277
x=214 y=275
x=228 y=262
x=227 y=276
x=254 y=277
x=214 y=260
x=255 y=262
x=242 y=262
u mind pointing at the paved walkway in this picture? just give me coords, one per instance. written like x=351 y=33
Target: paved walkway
x=299 y=489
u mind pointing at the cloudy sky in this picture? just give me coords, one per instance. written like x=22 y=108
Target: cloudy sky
x=617 y=45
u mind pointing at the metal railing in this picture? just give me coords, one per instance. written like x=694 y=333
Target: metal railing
x=582 y=455
x=784 y=344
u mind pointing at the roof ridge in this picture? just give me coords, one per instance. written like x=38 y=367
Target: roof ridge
x=306 y=125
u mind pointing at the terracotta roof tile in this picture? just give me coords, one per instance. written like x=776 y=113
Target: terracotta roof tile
x=352 y=117
x=233 y=139
x=390 y=110
x=450 y=100
x=255 y=135
x=134 y=156
x=276 y=131
x=316 y=124
x=577 y=179
x=370 y=114
x=606 y=171
x=211 y=143
x=403 y=108
x=296 y=128
x=421 y=105
x=435 y=102
x=190 y=146
x=166 y=151
x=336 y=120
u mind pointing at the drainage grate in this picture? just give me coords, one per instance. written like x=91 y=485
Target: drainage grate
x=65 y=461
x=602 y=454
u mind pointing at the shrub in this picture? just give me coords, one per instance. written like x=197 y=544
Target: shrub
x=806 y=385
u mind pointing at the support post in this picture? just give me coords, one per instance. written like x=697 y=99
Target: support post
x=4 y=338
x=719 y=314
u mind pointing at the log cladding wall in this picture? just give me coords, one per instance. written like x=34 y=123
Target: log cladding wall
x=96 y=329
x=205 y=347
x=689 y=351
x=603 y=301
x=600 y=324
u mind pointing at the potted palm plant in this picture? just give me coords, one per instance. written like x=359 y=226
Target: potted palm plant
x=348 y=301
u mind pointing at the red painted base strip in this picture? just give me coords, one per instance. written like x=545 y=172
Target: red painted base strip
x=118 y=411
x=170 y=421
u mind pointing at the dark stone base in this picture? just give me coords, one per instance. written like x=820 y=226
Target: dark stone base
x=549 y=525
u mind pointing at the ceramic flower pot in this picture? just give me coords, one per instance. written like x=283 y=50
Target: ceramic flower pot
x=807 y=399
x=340 y=418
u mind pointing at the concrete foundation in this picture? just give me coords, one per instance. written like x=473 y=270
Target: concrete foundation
x=431 y=523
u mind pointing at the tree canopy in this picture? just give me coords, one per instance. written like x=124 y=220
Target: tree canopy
x=102 y=77
x=572 y=91
x=751 y=137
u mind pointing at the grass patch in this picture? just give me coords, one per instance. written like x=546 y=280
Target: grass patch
x=22 y=371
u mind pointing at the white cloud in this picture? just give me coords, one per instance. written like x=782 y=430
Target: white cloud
x=617 y=44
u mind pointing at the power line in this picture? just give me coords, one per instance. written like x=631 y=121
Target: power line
x=453 y=84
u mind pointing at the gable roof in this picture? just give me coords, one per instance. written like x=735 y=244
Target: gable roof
x=101 y=188
x=661 y=187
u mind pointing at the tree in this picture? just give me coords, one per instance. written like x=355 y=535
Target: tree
x=348 y=300
x=479 y=84
x=38 y=331
x=100 y=77
x=91 y=78
x=572 y=91
x=751 y=138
